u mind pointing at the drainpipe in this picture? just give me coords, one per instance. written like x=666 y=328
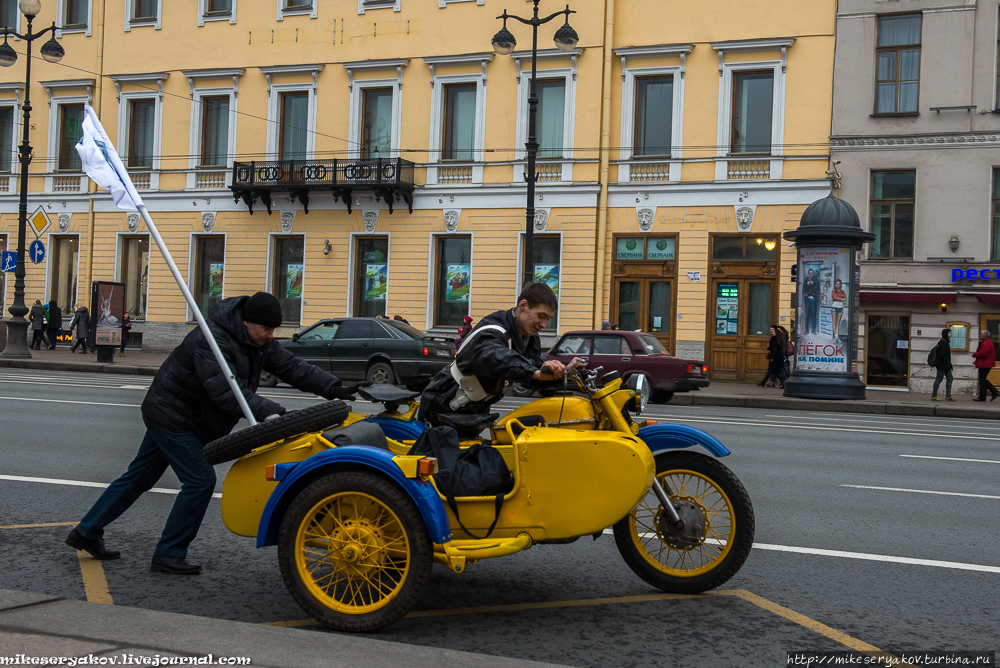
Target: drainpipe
x=602 y=202
x=91 y=186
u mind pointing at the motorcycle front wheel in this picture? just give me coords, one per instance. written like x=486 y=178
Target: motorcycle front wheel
x=718 y=532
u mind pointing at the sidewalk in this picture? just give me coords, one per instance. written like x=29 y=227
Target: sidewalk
x=719 y=393
x=39 y=626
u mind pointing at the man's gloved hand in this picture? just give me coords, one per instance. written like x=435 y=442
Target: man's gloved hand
x=347 y=392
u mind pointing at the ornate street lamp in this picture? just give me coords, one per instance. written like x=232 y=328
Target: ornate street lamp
x=52 y=51
x=503 y=43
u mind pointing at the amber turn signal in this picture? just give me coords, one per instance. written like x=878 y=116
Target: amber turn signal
x=427 y=467
x=269 y=472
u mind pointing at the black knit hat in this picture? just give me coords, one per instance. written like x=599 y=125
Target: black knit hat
x=262 y=308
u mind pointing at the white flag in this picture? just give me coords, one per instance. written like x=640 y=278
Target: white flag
x=102 y=164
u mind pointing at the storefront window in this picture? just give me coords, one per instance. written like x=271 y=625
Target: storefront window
x=371 y=275
x=751 y=249
x=210 y=272
x=289 y=276
x=135 y=275
x=959 y=335
x=887 y=348
x=546 y=270
x=64 y=262
x=454 y=281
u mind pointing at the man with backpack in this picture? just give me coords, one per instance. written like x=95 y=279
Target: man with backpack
x=940 y=358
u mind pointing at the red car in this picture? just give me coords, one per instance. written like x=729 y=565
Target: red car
x=631 y=353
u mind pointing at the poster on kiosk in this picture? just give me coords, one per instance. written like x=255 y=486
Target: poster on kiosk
x=107 y=311
x=825 y=300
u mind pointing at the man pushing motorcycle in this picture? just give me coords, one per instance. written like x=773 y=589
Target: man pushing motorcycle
x=503 y=347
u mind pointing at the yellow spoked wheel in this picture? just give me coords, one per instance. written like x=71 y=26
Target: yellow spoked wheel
x=354 y=551
x=716 y=535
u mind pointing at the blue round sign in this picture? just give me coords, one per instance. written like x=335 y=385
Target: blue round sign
x=36 y=251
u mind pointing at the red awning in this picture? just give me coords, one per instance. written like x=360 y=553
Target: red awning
x=909 y=296
x=988 y=298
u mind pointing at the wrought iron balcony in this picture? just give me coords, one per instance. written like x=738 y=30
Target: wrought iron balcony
x=389 y=178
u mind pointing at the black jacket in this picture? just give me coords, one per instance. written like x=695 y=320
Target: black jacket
x=943 y=360
x=490 y=359
x=55 y=316
x=776 y=348
x=191 y=393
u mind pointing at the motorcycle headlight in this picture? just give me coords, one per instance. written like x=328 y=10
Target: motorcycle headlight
x=639 y=384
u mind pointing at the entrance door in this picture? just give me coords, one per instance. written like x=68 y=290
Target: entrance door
x=646 y=304
x=743 y=316
x=887 y=350
x=991 y=323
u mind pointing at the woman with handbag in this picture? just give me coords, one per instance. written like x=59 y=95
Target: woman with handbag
x=776 y=359
x=839 y=297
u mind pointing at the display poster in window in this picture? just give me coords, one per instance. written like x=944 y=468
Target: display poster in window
x=457 y=281
x=824 y=309
x=216 y=274
x=727 y=308
x=293 y=284
x=629 y=249
x=108 y=312
x=549 y=275
x=660 y=249
x=375 y=282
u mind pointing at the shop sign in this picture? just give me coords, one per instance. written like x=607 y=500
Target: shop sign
x=630 y=249
x=824 y=309
x=660 y=249
x=958 y=274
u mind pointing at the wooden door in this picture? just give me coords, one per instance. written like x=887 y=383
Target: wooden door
x=645 y=304
x=741 y=315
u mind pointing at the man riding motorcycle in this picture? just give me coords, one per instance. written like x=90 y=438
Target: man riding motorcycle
x=503 y=347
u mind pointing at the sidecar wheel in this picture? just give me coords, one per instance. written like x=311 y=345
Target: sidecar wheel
x=707 y=493
x=354 y=551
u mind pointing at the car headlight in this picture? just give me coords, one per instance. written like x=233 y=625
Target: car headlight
x=639 y=384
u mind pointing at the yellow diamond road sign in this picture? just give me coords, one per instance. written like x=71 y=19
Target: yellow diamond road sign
x=39 y=222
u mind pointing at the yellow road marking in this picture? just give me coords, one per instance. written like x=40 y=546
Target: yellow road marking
x=38 y=526
x=94 y=582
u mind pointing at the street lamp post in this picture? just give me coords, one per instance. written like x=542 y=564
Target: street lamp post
x=503 y=43
x=17 y=326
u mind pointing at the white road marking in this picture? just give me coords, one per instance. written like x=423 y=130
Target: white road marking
x=954 y=459
x=928 y=424
x=67 y=385
x=975 y=437
x=82 y=402
x=922 y=491
x=84 y=483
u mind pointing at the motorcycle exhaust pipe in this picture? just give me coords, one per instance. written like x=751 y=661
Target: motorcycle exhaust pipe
x=664 y=496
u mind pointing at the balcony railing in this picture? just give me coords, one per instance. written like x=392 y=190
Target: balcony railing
x=389 y=178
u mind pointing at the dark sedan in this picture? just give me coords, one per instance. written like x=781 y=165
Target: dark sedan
x=631 y=353
x=381 y=351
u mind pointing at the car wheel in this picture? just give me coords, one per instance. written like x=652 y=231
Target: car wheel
x=380 y=373
x=267 y=380
x=662 y=396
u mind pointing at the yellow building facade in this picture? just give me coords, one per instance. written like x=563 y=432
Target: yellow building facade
x=380 y=146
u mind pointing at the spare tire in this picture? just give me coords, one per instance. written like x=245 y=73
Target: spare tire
x=292 y=423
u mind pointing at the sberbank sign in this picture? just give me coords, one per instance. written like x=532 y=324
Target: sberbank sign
x=974 y=274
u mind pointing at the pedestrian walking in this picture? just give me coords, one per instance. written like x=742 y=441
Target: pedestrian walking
x=464 y=330
x=126 y=326
x=37 y=319
x=606 y=325
x=776 y=359
x=986 y=359
x=940 y=358
x=80 y=320
x=189 y=404
x=789 y=352
x=55 y=324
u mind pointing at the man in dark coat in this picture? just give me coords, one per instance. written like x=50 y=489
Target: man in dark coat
x=189 y=404
x=942 y=362
x=810 y=290
x=55 y=323
x=503 y=347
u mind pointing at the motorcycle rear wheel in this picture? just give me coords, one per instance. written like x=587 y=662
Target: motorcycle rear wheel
x=706 y=492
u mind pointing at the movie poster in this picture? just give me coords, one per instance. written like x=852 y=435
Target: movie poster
x=823 y=324
x=549 y=275
x=457 y=282
x=375 y=282
x=293 y=285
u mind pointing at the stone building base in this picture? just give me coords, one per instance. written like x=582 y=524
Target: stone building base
x=690 y=349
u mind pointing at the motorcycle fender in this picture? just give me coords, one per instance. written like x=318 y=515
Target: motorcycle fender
x=356 y=456
x=663 y=437
x=398 y=430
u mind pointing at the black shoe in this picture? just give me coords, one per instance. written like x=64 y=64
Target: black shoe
x=978 y=399
x=95 y=548
x=174 y=566
x=994 y=397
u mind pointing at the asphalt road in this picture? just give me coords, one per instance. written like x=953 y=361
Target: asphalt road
x=875 y=531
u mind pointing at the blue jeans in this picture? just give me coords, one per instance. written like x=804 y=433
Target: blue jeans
x=811 y=324
x=183 y=452
x=943 y=374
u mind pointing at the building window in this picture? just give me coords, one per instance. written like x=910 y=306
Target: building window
x=210 y=271
x=959 y=336
x=64 y=262
x=144 y=10
x=545 y=251
x=6 y=139
x=453 y=280
x=371 y=275
x=751 y=249
x=898 y=64
x=460 y=122
x=215 y=131
x=551 y=117
x=218 y=6
x=142 y=126
x=893 y=199
x=9 y=14
x=376 y=132
x=654 y=111
x=294 y=128
x=994 y=237
x=297 y=4
x=135 y=275
x=753 y=104
x=75 y=15
x=288 y=274
x=70 y=131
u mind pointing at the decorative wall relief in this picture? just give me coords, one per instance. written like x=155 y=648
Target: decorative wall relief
x=133 y=222
x=371 y=220
x=451 y=220
x=207 y=221
x=64 y=222
x=744 y=217
x=645 y=219
x=287 y=219
x=541 y=219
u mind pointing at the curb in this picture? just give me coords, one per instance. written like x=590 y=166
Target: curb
x=834 y=406
x=89 y=367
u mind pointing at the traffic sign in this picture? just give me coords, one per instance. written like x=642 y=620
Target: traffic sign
x=8 y=261
x=36 y=251
x=39 y=222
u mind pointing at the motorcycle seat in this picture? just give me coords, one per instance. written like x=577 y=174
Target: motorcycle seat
x=468 y=422
x=386 y=394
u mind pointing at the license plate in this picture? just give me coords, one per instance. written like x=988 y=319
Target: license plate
x=444 y=353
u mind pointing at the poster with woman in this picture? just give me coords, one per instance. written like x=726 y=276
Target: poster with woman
x=823 y=302
x=457 y=283
x=293 y=285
